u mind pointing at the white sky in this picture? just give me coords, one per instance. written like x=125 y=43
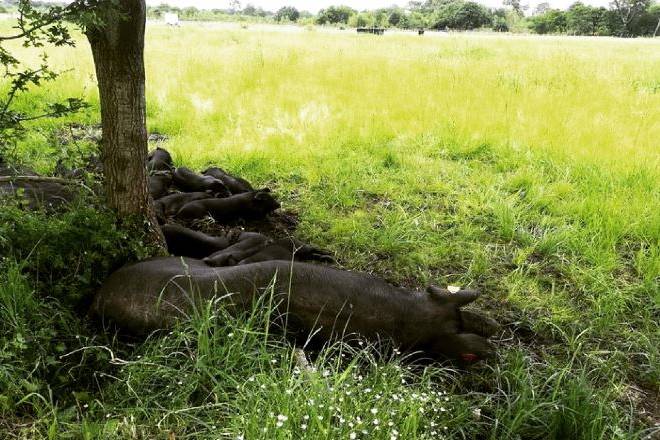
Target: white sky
x=314 y=6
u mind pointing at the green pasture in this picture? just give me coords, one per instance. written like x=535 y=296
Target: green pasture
x=528 y=167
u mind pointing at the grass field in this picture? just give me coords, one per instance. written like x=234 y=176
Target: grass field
x=527 y=167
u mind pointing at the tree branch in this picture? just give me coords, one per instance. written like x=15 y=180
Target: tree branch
x=53 y=15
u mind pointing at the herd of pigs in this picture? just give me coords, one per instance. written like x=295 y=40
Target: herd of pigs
x=238 y=268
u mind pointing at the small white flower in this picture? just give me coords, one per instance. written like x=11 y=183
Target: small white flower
x=282 y=418
x=376 y=421
x=279 y=424
x=374 y=410
x=320 y=417
x=352 y=436
x=230 y=335
x=303 y=426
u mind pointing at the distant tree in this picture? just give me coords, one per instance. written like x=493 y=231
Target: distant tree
x=249 y=10
x=252 y=11
x=649 y=21
x=552 y=21
x=416 y=20
x=499 y=20
x=581 y=19
x=234 y=6
x=628 y=11
x=516 y=5
x=335 y=15
x=189 y=13
x=361 y=19
x=461 y=15
x=542 y=8
x=287 y=13
x=396 y=17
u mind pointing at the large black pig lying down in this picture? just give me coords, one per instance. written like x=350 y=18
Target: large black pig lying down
x=315 y=300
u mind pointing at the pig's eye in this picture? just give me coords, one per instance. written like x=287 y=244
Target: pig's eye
x=469 y=357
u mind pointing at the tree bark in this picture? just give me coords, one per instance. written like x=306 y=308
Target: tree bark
x=118 y=50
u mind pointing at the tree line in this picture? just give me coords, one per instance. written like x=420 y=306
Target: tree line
x=625 y=18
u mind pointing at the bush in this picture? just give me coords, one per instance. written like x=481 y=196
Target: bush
x=67 y=254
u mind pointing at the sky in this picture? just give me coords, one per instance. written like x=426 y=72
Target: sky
x=315 y=5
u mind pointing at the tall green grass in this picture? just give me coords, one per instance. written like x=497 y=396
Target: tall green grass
x=528 y=167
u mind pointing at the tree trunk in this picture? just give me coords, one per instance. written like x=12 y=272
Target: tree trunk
x=118 y=50
x=657 y=26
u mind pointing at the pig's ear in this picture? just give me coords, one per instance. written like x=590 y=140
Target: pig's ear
x=263 y=195
x=266 y=190
x=460 y=298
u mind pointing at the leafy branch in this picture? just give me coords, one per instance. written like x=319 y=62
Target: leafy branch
x=37 y=27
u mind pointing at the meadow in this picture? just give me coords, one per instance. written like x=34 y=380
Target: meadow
x=527 y=167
